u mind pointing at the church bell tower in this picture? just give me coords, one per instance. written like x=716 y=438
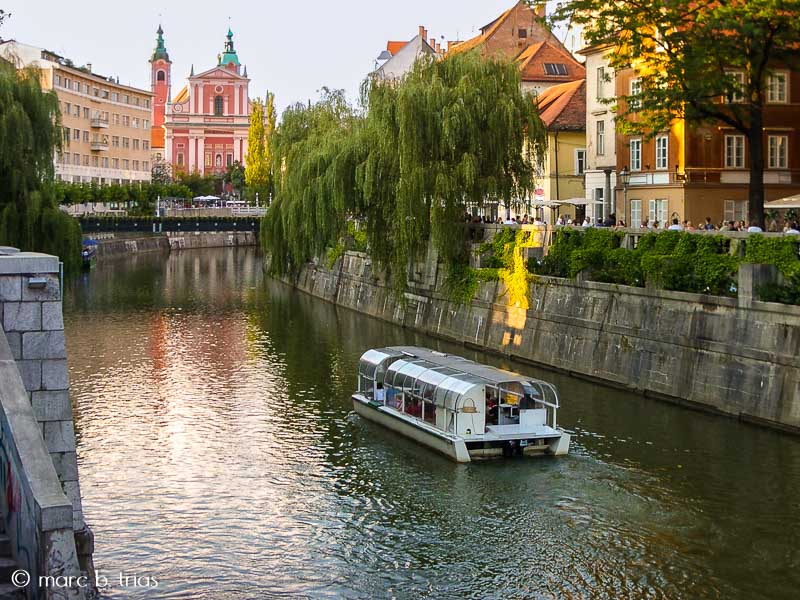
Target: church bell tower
x=161 y=79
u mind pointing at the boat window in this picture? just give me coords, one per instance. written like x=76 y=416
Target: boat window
x=530 y=397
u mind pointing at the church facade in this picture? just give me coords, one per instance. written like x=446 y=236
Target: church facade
x=203 y=128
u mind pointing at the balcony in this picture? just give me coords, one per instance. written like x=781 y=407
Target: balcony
x=99 y=145
x=98 y=123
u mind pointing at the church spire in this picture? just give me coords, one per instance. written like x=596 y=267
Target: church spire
x=229 y=55
x=160 y=51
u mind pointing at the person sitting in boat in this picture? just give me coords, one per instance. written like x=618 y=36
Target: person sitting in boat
x=380 y=394
x=491 y=409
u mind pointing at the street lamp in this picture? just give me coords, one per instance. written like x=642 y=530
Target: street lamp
x=625 y=178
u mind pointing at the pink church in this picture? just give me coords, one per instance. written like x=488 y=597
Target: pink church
x=204 y=127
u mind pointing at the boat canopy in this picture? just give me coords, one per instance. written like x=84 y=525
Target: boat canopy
x=443 y=379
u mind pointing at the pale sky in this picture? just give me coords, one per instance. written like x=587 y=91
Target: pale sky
x=291 y=48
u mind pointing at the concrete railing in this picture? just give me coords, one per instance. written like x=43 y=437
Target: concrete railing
x=41 y=505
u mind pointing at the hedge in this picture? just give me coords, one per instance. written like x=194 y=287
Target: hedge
x=672 y=260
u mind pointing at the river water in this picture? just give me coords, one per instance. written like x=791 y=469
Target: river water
x=220 y=457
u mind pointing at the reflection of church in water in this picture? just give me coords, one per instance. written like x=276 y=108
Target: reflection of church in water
x=204 y=127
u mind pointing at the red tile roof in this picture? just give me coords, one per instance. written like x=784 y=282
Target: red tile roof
x=395 y=47
x=563 y=106
x=533 y=58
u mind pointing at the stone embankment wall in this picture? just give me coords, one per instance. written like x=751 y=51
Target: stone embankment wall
x=108 y=248
x=41 y=500
x=739 y=357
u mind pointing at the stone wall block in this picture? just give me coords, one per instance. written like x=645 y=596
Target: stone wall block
x=31 y=372
x=10 y=288
x=15 y=344
x=73 y=493
x=50 y=292
x=55 y=375
x=53 y=407
x=52 y=316
x=43 y=344
x=59 y=436
x=22 y=316
x=66 y=464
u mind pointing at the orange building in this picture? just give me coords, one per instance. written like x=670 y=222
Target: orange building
x=691 y=172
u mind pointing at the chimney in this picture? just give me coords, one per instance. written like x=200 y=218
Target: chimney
x=89 y=67
x=438 y=48
x=432 y=43
x=422 y=32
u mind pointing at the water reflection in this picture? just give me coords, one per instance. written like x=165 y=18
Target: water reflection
x=219 y=453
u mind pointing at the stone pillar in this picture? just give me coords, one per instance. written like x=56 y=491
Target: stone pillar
x=201 y=154
x=30 y=303
x=751 y=277
x=192 y=154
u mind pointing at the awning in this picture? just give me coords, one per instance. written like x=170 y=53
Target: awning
x=579 y=201
x=788 y=202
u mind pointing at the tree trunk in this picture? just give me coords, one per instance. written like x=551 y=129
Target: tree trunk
x=755 y=204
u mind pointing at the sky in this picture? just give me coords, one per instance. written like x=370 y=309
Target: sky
x=291 y=48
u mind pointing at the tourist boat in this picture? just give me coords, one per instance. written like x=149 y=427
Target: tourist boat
x=456 y=406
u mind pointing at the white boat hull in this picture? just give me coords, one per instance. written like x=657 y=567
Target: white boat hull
x=450 y=445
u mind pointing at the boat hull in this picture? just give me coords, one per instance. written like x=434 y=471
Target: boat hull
x=450 y=445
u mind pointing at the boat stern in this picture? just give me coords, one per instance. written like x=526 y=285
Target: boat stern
x=560 y=445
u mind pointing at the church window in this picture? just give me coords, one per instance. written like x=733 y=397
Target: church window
x=229 y=159
x=160 y=76
x=208 y=159
x=218 y=106
x=180 y=158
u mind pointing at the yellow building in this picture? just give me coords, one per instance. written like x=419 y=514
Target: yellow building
x=106 y=124
x=563 y=111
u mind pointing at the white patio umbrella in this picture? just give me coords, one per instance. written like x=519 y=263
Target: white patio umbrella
x=788 y=202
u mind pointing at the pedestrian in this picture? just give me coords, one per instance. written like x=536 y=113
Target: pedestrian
x=676 y=226
x=709 y=226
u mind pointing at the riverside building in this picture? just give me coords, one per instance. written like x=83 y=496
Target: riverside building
x=106 y=124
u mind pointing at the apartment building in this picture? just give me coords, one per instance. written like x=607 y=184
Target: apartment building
x=106 y=124
x=601 y=156
x=692 y=171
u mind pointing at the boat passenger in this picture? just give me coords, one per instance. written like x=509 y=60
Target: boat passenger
x=380 y=394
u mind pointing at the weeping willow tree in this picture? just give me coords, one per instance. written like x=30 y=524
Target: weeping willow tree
x=451 y=134
x=316 y=151
x=30 y=135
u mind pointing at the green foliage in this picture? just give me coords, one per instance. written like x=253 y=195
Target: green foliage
x=258 y=174
x=452 y=132
x=685 y=53
x=507 y=264
x=235 y=174
x=137 y=198
x=784 y=253
x=673 y=260
x=199 y=185
x=30 y=134
x=462 y=282
x=501 y=246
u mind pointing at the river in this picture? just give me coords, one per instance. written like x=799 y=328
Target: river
x=220 y=457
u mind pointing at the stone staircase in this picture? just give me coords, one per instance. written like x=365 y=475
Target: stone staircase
x=8 y=591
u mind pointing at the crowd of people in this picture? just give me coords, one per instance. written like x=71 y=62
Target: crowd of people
x=675 y=224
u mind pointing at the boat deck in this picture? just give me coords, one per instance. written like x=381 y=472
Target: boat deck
x=515 y=432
